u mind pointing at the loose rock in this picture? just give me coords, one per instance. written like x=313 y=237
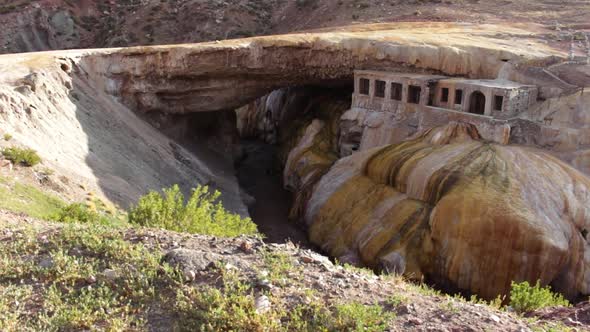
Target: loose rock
x=262 y=304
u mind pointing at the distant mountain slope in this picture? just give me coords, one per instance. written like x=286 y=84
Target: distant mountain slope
x=60 y=24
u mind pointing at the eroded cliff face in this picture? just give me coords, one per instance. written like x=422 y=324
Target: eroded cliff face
x=97 y=92
x=304 y=122
x=96 y=144
x=460 y=212
x=560 y=125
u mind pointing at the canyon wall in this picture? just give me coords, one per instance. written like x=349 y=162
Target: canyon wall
x=108 y=86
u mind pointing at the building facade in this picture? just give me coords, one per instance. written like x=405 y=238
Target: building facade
x=499 y=99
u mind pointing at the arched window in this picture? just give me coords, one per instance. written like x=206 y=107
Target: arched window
x=477 y=103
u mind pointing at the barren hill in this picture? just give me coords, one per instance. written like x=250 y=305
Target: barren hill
x=59 y=24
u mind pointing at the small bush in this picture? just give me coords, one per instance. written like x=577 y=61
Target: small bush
x=26 y=157
x=201 y=214
x=358 y=317
x=80 y=213
x=7 y=137
x=525 y=298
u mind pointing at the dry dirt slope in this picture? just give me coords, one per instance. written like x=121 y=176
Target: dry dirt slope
x=92 y=140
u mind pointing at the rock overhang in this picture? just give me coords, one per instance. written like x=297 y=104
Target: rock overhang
x=224 y=75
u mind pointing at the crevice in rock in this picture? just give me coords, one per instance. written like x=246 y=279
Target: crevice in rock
x=273 y=168
x=259 y=175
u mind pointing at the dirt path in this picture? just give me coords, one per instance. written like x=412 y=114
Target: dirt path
x=260 y=177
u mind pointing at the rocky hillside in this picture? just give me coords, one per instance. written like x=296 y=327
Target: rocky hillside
x=79 y=277
x=59 y=24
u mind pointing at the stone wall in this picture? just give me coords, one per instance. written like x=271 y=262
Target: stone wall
x=516 y=101
x=388 y=102
x=363 y=129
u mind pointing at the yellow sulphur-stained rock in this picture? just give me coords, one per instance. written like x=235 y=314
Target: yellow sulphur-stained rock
x=458 y=211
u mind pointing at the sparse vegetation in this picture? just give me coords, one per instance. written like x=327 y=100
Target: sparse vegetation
x=81 y=213
x=19 y=197
x=89 y=276
x=232 y=308
x=397 y=300
x=495 y=303
x=358 y=317
x=75 y=294
x=525 y=298
x=25 y=157
x=7 y=137
x=426 y=290
x=279 y=265
x=203 y=213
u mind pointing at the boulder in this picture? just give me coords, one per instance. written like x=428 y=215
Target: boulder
x=194 y=260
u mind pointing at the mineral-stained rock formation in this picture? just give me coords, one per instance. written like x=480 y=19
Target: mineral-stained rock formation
x=458 y=211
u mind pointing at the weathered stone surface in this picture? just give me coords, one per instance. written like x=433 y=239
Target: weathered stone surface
x=194 y=260
x=311 y=146
x=461 y=212
x=229 y=74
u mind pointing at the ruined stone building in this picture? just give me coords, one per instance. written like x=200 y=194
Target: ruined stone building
x=400 y=92
x=389 y=107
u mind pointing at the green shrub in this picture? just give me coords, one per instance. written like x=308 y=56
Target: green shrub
x=77 y=212
x=26 y=157
x=80 y=213
x=525 y=298
x=202 y=213
x=358 y=317
x=62 y=299
x=7 y=137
